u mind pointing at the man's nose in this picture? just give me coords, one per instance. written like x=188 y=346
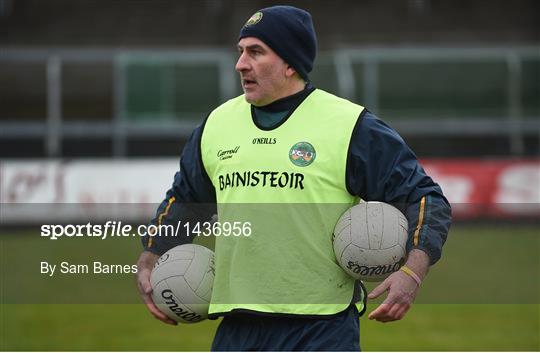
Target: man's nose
x=242 y=63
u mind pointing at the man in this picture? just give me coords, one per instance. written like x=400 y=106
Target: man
x=291 y=158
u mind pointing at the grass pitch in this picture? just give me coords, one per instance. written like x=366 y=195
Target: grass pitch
x=483 y=295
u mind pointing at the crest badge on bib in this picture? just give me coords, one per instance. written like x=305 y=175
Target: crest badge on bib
x=302 y=154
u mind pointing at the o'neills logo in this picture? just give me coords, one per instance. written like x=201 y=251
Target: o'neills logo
x=226 y=154
x=162 y=259
x=373 y=270
x=184 y=314
x=302 y=154
x=264 y=141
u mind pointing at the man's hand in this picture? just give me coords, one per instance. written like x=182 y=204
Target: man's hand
x=402 y=289
x=144 y=269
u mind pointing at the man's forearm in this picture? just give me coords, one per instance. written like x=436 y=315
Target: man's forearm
x=418 y=262
x=146 y=260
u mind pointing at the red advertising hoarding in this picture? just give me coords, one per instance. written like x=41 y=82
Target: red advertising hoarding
x=489 y=188
x=476 y=188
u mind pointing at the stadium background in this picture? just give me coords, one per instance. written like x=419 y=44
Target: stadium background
x=105 y=94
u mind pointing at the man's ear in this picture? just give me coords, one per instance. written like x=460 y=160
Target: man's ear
x=290 y=71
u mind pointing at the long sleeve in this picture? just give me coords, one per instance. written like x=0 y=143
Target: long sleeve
x=381 y=167
x=191 y=198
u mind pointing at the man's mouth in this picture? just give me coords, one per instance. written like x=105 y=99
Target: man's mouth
x=247 y=83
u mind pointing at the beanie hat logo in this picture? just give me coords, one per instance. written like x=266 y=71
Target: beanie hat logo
x=257 y=16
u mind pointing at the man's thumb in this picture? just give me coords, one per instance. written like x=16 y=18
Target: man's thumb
x=381 y=288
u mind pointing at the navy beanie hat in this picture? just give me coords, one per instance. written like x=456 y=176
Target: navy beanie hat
x=289 y=32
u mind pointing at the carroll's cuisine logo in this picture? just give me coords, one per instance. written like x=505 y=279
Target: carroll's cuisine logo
x=227 y=154
x=302 y=154
x=256 y=18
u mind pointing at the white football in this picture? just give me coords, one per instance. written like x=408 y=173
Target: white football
x=370 y=240
x=182 y=281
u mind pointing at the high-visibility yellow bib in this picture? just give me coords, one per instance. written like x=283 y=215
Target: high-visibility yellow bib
x=287 y=185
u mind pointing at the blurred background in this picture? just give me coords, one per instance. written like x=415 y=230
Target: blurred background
x=131 y=78
x=97 y=99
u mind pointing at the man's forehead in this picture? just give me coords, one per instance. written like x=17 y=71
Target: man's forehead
x=251 y=41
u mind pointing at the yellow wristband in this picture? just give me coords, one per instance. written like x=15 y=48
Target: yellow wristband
x=411 y=274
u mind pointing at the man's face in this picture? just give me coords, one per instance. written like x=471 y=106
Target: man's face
x=263 y=74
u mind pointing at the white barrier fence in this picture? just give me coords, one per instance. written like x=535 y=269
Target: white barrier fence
x=40 y=190
x=89 y=189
